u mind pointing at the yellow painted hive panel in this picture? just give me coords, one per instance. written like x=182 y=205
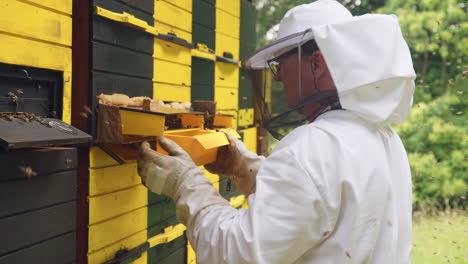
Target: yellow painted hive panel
x=107 y=253
x=63 y=6
x=171 y=92
x=226 y=75
x=106 y=206
x=111 y=179
x=170 y=14
x=172 y=52
x=163 y=28
x=225 y=43
x=109 y=232
x=26 y=20
x=226 y=98
x=227 y=24
x=171 y=73
x=184 y=4
x=250 y=138
x=230 y=6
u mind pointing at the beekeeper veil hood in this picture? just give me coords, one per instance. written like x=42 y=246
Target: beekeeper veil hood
x=367 y=56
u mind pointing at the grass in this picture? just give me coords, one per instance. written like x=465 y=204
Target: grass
x=442 y=238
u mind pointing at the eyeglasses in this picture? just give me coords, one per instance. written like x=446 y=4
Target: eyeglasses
x=275 y=63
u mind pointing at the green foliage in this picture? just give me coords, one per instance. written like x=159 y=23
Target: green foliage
x=437 y=34
x=436 y=139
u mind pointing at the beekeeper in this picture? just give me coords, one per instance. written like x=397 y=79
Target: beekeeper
x=335 y=190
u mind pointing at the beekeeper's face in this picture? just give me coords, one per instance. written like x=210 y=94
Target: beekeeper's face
x=315 y=77
x=288 y=74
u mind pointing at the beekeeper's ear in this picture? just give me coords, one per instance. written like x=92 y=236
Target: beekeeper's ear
x=318 y=63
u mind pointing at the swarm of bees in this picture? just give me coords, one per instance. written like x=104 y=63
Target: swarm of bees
x=25 y=117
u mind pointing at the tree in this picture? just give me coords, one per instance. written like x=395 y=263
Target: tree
x=437 y=34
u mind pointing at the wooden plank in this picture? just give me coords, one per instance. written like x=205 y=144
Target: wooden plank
x=26 y=229
x=172 y=73
x=56 y=250
x=227 y=24
x=226 y=75
x=119 y=7
x=63 y=6
x=179 y=256
x=172 y=52
x=26 y=20
x=230 y=112
x=43 y=161
x=109 y=232
x=174 y=250
x=119 y=60
x=248 y=22
x=225 y=43
x=81 y=96
x=117 y=34
x=111 y=179
x=109 y=83
x=145 y=5
x=172 y=15
x=184 y=4
x=34 y=53
x=250 y=138
x=164 y=28
x=98 y=158
x=157 y=229
x=110 y=205
x=39 y=107
x=203 y=35
x=202 y=71
x=108 y=253
x=160 y=211
x=171 y=92
x=226 y=98
x=246 y=93
x=232 y=7
x=204 y=14
x=37 y=192
x=202 y=92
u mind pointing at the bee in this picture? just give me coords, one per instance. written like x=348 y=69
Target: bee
x=87 y=109
x=28 y=172
x=10 y=94
x=84 y=115
x=13 y=99
x=348 y=254
x=19 y=91
x=43 y=122
x=53 y=113
x=68 y=162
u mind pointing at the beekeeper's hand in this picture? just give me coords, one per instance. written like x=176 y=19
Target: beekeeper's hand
x=162 y=174
x=238 y=163
x=178 y=177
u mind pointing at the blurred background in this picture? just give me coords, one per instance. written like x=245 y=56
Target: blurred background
x=435 y=134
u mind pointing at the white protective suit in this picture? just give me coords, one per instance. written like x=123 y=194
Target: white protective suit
x=337 y=190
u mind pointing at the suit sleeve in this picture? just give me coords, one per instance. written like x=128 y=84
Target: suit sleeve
x=286 y=217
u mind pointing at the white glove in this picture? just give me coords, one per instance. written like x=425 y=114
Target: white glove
x=178 y=177
x=238 y=163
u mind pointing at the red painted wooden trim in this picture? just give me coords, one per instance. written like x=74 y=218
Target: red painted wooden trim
x=81 y=61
